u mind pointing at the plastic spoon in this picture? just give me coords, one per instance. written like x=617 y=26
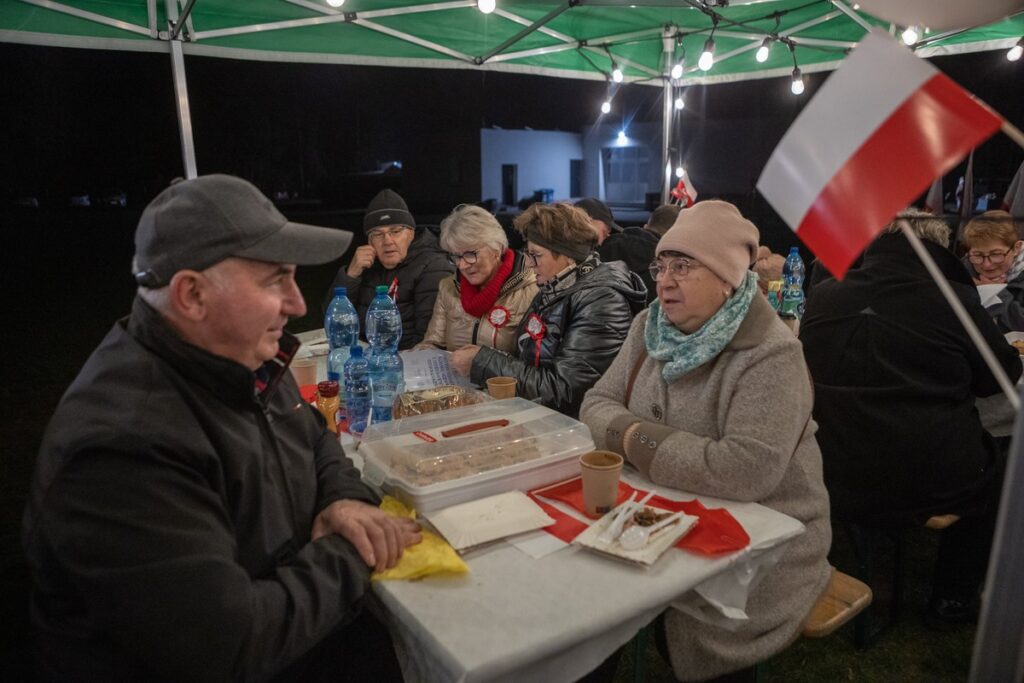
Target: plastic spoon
x=615 y=528
x=636 y=536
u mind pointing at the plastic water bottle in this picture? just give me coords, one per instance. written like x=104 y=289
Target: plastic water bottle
x=386 y=381
x=383 y=321
x=357 y=391
x=384 y=331
x=793 y=270
x=341 y=323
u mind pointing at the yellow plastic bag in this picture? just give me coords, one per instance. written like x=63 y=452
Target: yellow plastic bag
x=430 y=557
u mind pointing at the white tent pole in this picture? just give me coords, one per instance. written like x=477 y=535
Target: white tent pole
x=188 y=149
x=963 y=316
x=668 y=45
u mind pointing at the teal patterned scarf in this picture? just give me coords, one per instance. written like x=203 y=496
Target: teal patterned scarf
x=684 y=352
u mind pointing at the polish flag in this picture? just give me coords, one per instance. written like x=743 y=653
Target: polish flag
x=684 y=192
x=1014 y=199
x=933 y=202
x=875 y=135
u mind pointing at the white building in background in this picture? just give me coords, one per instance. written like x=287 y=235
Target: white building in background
x=621 y=170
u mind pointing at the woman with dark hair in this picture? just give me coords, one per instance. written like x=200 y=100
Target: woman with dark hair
x=577 y=321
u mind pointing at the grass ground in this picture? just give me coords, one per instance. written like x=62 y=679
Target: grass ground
x=66 y=280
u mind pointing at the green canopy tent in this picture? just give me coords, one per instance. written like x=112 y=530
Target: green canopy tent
x=587 y=39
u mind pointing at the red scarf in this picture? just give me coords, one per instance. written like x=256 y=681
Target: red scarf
x=477 y=301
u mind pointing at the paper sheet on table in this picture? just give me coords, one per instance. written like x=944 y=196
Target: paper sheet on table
x=487 y=519
x=429 y=368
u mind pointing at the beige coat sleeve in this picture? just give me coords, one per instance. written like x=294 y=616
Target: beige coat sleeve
x=434 y=337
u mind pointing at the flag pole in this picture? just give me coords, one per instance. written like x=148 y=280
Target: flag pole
x=1012 y=132
x=964 y=317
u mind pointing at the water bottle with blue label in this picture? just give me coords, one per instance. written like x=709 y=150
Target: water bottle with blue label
x=792 y=304
x=384 y=331
x=341 y=323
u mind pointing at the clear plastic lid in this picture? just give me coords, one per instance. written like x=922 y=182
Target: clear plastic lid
x=472 y=442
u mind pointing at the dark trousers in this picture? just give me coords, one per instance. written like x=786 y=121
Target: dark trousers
x=358 y=652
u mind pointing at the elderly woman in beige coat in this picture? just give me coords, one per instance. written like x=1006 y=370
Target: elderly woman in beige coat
x=721 y=406
x=484 y=301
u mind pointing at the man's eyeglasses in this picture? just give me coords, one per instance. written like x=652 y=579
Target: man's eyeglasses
x=677 y=268
x=393 y=233
x=531 y=258
x=468 y=256
x=994 y=257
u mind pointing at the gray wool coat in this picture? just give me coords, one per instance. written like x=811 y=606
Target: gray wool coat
x=737 y=427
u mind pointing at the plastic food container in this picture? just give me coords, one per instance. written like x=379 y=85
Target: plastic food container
x=439 y=459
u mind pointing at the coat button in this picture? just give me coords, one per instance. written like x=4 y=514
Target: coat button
x=656 y=411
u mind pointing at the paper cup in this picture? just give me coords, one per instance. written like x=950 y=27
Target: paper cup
x=600 y=471
x=501 y=387
x=304 y=370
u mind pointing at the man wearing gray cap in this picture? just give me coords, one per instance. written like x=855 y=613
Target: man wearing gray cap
x=191 y=518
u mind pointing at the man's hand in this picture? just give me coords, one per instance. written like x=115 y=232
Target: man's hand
x=363 y=259
x=997 y=280
x=378 y=537
x=461 y=361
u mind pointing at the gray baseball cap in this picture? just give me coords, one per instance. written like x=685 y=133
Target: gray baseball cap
x=195 y=224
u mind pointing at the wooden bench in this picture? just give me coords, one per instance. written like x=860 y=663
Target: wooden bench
x=845 y=598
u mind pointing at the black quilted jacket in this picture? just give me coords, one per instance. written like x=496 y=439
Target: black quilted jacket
x=584 y=327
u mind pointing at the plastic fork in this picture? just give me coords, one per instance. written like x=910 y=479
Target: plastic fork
x=614 y=529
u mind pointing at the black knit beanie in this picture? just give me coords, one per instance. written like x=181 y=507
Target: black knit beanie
x=387 y=208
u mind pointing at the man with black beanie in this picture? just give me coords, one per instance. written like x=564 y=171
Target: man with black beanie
x=408 y=261
x=636 y=246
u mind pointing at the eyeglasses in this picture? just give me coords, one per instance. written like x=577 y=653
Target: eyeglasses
x=994 y=257
x=677 y=268
x=468 y=256
x=393 y=233
x=531 y=258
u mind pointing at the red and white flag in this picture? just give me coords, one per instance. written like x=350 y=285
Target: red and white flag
x=684 y=192
x=882 y=127
x=1014 y=199
x=933 y=202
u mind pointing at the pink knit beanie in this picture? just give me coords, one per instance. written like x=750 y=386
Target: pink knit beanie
x=714 y=233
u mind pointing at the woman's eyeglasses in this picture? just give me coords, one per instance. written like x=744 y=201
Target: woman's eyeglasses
x=994 y=257
x=531 y=258
x=378 y=236
x=677 y=268
x=468 y=256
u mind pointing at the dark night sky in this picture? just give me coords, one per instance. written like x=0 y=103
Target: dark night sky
x=84 y=120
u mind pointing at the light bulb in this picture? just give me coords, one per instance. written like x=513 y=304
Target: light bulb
x=762 y=52
x=707 y=58
x=617 y=74
x=1015 y=52
x=679 y=102
x=622 y=136
x=335 y=3
x=606 y=106
x=677 y=70
x=679 y=171
x=798 y=82
x=486 y=6
x=910 y=35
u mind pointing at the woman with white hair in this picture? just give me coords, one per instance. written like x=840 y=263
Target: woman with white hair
x=484 y=301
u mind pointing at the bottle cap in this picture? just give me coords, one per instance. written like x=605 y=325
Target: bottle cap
x=794 y=250
x=327 y=388
x=356 y=352
x=382 y=289
x=340 y=291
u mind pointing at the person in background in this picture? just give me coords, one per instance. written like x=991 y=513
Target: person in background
x=600 y=217
x=190 y=516
x=484 y=302
x=768 y=267
x=895 y=379
x=710 y=395
x=995 y=257
x=408 y=261
x=576 y=322
x=635 y=246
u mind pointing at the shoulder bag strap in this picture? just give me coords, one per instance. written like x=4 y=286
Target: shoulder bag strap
x=632 y=375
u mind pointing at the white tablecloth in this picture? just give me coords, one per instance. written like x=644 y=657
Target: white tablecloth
x=515 y=618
